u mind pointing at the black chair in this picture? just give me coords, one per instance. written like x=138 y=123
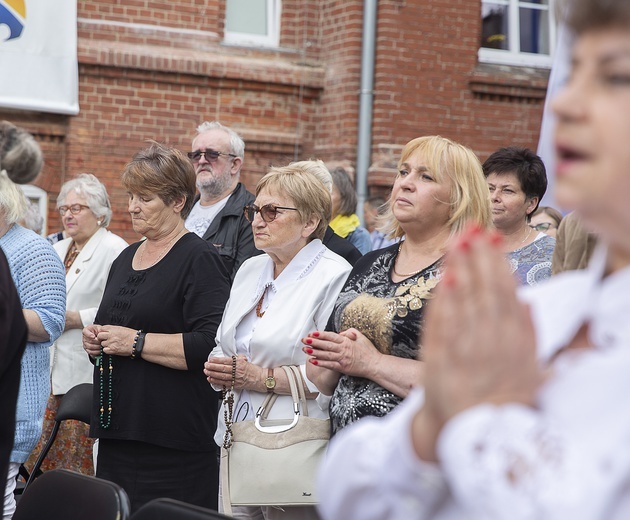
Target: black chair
x=61 y=494
x=76 y=404
x=169 y=509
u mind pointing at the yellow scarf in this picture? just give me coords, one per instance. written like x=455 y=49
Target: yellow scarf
x=343 y=225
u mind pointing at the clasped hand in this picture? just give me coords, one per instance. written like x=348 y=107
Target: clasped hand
x=114 y=340
x=218 y=371
x=349 y=352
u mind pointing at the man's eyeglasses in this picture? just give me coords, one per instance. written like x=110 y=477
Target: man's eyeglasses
x=209 y=155
x=268 y=212
x=74 y=209
x=543 y=226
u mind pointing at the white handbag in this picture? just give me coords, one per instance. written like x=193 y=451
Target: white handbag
x=274 y=462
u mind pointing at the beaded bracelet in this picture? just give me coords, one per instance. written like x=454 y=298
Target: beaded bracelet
x=135 y=351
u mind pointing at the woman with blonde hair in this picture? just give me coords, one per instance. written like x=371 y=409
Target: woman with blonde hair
x=367 y=360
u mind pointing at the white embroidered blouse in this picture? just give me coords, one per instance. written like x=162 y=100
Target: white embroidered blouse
x=567 y=459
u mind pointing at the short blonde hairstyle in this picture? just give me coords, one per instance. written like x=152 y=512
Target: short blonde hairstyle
x=469 y=200
x=317 y=168
x=12 y=200
x=307 y=193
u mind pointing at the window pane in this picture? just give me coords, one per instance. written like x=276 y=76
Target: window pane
x=534 y=28
x=246 y=16
x=494 y=26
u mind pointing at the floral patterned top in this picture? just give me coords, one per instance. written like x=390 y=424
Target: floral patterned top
x=390 y=315
x=532 y=264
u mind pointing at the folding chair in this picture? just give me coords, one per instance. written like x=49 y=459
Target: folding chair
x=61 y=494
x=76 y=404
x=169 y=509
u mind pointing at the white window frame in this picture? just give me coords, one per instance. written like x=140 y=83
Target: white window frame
x=512 y=56
x=39 y=197
x=271 y=39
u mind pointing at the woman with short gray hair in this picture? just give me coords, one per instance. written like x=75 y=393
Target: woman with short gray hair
x=87 y=254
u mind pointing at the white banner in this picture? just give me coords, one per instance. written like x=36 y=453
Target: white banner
x=38 y=55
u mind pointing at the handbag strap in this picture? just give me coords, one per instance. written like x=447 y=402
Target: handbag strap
x=300 y=385
x=298 y=395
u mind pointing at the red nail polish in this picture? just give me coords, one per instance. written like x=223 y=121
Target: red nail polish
x=448 y=278
x=464 y=245
x=495 y=238
x=308 y=350
x=474 y=229
x=309 y=341
x=314 y=361
x=315 y=334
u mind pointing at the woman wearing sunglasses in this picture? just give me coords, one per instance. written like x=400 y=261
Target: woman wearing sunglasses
x=367 y=360
x=277 y=299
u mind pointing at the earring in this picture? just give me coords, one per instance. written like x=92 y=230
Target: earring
x=99 y=222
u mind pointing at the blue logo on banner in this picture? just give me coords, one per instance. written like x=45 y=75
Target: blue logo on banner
x=13 y=15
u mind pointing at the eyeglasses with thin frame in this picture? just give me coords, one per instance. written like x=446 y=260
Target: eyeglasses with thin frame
x=209 y=155
x=543 y=226
x=74 y=209
x=269 y=212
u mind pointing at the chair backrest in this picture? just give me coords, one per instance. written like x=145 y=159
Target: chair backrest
x=60 y=494
x=169 y=509
x=76 y=404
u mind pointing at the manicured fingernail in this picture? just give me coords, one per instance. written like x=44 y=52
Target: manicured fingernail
x=495 y=238
x=315 y=334
x=309 y=341
x=448 y=278
x=308 y=350
x=313 y=362
x=474 y=229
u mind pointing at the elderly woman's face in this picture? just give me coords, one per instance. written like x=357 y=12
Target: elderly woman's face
x=593 y=132
x=286 y=234
x=82 y=225
x=150 y=216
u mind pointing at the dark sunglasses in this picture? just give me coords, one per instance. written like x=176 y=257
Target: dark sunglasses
x=268 y=212
x=209 y=155
x=543 y=226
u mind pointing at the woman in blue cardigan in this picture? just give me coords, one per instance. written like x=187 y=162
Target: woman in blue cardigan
x=40 y=280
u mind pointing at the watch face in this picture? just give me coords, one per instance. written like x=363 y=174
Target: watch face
x=270 y=382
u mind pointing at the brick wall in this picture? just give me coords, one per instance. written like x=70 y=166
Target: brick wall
x=156 y=69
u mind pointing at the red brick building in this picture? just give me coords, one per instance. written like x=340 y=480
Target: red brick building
x=155 y=69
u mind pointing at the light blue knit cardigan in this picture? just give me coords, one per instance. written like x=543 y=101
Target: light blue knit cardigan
x=40 y=279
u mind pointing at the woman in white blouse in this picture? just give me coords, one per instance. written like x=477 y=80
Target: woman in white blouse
x=524 y=411
x=87 y=254
x=277 y=299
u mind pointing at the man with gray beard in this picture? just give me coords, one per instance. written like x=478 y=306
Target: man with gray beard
x=217 y=216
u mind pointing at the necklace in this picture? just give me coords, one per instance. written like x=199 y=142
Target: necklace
x=71 y=256
x=526 y=237
x=105 y=409
x=400 y=274
x=162 y=253
x=259 y=312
